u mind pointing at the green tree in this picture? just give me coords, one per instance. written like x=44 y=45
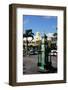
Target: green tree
x=55 y=34
x=45 y=36
x=27 y=34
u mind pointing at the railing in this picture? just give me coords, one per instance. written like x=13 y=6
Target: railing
x=52 y=54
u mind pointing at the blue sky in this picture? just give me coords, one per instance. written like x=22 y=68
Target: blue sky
x=42 y=24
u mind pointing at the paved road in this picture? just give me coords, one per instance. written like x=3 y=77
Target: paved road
x=30 y=64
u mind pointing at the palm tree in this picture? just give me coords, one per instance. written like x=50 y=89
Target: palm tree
x=45 y=36
x=55 y=40
x=55 y=34
x=27 y=34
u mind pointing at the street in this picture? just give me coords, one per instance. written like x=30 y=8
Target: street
x=30 y=64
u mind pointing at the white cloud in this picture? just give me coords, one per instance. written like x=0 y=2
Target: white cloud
x=50 y=34
x=47 y=17
x=26 y=21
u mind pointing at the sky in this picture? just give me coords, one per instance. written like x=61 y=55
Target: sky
x=42 y=24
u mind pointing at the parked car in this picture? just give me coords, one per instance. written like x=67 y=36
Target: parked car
x=53 y=52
